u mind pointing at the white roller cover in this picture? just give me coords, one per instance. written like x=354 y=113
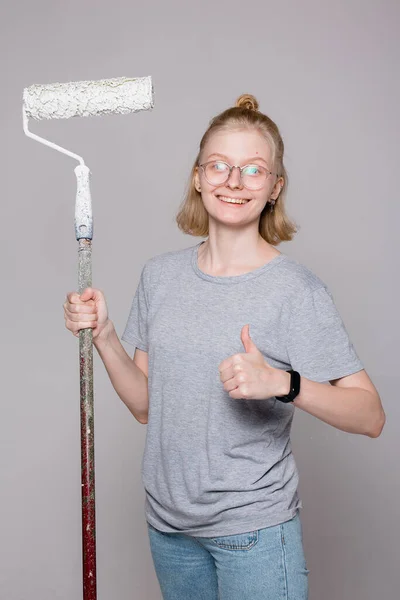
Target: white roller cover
x=120 y=95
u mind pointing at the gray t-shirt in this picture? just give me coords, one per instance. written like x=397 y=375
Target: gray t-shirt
x=214 y=465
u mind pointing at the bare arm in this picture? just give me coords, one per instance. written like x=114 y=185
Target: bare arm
x=350 y=403
x=127 y=378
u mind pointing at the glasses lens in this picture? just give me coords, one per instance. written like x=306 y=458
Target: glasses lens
x=216 y=172
x=254 y=176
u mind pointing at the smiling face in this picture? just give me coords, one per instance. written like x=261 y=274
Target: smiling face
x=237 y=147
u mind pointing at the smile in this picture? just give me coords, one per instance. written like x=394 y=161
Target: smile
x=233 y=200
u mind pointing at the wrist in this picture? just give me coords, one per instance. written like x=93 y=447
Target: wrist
x=283 y=383
x=294 y=387
x=102 y=340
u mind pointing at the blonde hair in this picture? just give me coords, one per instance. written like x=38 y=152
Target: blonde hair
x=274 y=226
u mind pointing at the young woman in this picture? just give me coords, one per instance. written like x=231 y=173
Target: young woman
x=230 y=336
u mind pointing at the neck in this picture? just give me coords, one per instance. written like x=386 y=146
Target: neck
x=234 y=252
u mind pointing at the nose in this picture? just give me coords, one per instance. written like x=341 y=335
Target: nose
x=234 y=179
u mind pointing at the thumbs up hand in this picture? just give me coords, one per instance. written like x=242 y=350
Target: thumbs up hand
x=249 y=376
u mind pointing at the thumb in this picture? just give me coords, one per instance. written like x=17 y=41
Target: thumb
x=87 y=294
x=247 y=342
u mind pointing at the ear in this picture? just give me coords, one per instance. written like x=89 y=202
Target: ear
x=277 y=188
x=197 y=180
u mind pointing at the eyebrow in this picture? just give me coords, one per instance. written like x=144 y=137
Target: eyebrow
x=247 y=162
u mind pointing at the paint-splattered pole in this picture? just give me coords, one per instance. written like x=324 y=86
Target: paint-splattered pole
x=121 y=95
x=84 y=234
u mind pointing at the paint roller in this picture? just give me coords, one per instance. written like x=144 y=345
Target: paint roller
x=120 y=95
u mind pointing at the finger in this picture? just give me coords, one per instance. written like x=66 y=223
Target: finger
x=232 y=360
x=90 y=294
x=225 y=364
x=236 y=394
x=78 y=317
x=230 y=385
x=227 y=374
x=86 y=294
x=76 y=326
x=232 y=371
x=80 y=308
x=73 y=297
x=89 y=297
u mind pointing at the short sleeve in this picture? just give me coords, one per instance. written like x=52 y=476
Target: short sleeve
x=318 y=343
x=135 y=332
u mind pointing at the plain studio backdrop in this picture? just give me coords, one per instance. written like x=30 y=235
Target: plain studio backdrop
x=327 y=73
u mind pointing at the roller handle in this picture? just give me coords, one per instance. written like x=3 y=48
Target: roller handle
x=83 y=204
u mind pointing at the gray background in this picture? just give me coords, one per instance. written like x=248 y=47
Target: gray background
x=327 y=73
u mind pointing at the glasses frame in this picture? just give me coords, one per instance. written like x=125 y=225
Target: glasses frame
x=231 y=167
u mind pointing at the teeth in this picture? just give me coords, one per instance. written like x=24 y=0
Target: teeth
x=233 y=200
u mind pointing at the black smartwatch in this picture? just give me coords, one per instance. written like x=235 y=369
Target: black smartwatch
x=294 y=387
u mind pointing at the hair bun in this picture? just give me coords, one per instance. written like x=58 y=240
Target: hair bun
x=247 y=101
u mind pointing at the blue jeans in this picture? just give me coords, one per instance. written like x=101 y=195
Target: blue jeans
x=265 y=564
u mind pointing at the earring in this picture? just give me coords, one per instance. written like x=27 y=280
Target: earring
x=271 y=205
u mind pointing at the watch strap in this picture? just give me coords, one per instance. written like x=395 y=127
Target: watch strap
x=294 y=387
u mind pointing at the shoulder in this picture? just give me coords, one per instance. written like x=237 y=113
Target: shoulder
x=307 y=301
x=165 y=264
x=170 y=259
x=305 y=292
x=299 y=280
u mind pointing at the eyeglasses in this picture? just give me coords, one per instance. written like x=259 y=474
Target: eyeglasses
x=253 y=177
